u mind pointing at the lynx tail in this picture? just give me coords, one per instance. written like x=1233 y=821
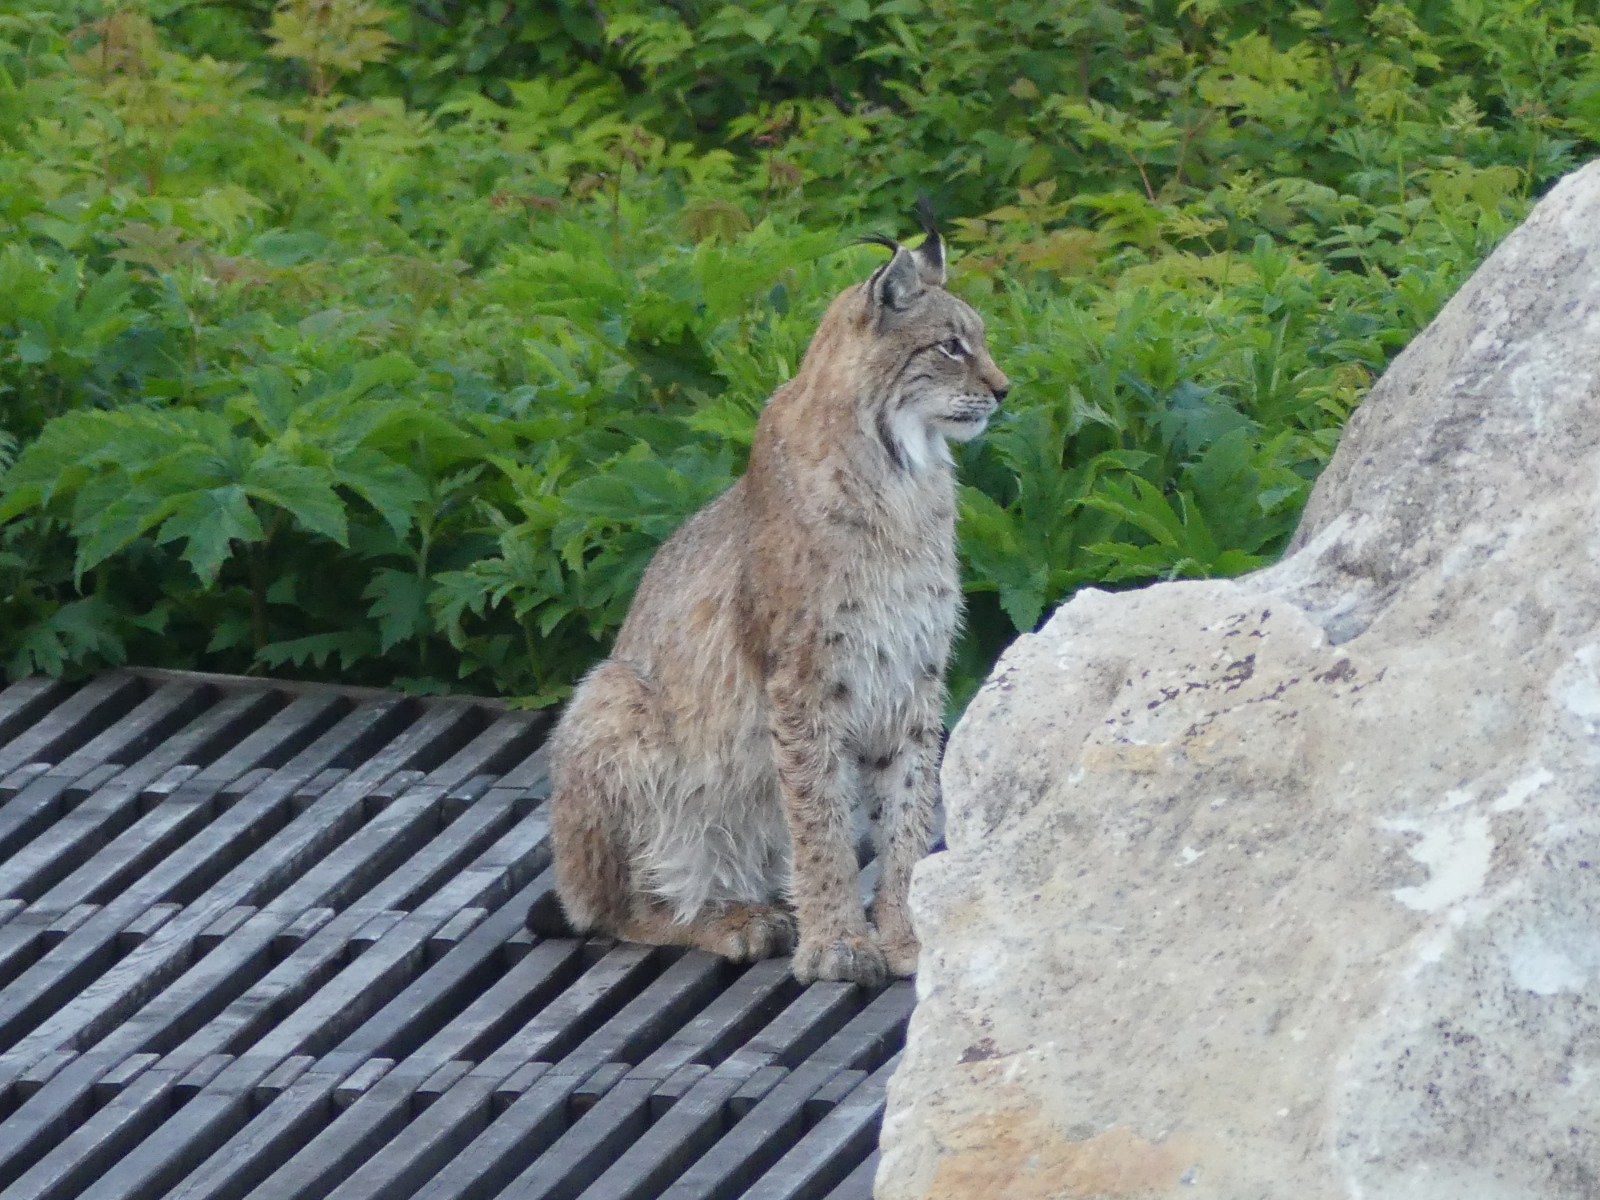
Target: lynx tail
x=548 y=919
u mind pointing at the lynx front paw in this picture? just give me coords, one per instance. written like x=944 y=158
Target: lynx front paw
x=901 y=954
x=853 y=959
x=892 y=931
x=747 y=932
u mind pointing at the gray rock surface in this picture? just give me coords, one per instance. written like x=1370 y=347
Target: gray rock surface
x=1288 y=887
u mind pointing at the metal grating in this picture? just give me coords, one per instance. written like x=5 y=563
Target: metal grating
x=265 y=941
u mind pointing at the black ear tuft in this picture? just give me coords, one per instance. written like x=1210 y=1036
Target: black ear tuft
x=930 y=255
x=877 y=239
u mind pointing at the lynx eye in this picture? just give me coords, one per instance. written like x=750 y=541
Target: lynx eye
x=954 y=348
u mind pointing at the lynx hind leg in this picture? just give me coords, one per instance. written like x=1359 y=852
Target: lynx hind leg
x=597 y=892
x=607 y=759
x=737 y=930
x=597 y=751
x=592 y=877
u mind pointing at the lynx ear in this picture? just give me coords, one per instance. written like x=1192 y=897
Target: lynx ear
x=898 y=282
x=930 y=255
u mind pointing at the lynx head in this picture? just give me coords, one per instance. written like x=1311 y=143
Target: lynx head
x=927 y=370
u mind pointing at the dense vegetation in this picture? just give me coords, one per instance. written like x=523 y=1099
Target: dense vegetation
x=386 y=343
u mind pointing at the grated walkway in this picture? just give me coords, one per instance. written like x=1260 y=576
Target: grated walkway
x=265 y=940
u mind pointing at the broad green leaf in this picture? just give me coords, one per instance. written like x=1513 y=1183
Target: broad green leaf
x=350 y=648
x=114 y=525
x=392 y=489
x=399 y=605
x=306 y=493
x=208 y=523
x=1140 y=503
x=73 y=632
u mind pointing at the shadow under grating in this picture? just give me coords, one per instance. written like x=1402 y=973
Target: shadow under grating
x=263 y=940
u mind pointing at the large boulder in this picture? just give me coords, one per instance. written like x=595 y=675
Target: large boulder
x=1288 y=887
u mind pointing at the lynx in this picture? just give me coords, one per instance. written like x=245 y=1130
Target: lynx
x=777 y=688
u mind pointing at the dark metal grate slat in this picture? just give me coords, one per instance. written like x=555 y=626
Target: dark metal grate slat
x=266 y=941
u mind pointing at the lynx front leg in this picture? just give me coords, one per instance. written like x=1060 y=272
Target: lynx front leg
x=904 y=791
x=835 y=942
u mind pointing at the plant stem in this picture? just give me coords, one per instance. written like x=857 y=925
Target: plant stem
x=616 y=215
x=259 y=582
x=258 y=597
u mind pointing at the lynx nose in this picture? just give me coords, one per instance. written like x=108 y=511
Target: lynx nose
x=1001 y=392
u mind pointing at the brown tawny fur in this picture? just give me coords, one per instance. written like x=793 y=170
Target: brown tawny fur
x=778 y=684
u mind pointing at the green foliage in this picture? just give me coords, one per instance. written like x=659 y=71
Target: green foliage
x=388 y=343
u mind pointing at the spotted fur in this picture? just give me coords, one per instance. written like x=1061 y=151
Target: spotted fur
x=778 y=685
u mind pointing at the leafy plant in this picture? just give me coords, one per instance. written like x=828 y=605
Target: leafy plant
x=386 y=343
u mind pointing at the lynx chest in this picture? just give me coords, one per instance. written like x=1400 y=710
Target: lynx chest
x=895 y=609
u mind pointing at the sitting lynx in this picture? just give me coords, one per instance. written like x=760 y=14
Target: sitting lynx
x=779 y=681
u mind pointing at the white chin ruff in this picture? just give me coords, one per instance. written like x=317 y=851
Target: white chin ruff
x=921 y=441
x=962 y=430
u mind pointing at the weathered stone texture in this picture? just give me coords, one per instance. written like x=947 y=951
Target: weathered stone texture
x=1288 y=887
